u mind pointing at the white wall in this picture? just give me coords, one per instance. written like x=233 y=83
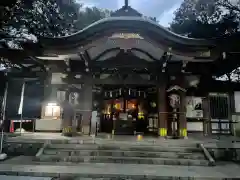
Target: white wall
x=194 y=126
x=237 y=101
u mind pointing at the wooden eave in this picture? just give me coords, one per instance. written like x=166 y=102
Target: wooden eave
x=141 y=25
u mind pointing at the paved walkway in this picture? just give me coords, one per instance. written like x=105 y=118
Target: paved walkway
x=120 y=138
x=26 y=167
x=209 y=142
x=126 y=170
x=4 y=177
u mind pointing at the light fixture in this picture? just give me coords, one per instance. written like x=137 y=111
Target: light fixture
x=52 y=110
x=52 y=104
x=164 y=64
x=64 y=75
x=224 y=55
x=78 y=76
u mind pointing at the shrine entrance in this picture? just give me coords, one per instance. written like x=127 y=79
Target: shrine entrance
x=127 y=110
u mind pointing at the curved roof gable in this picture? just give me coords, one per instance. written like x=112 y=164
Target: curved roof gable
x=126 y=24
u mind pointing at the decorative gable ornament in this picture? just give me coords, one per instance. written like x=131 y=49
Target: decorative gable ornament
x=176 y=88
x=126 y=36
x=174 y=100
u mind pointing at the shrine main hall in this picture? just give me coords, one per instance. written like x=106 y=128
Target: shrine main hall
x=126 y=74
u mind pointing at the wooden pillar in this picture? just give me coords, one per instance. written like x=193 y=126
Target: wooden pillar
x=182 y=115
x=162 y=111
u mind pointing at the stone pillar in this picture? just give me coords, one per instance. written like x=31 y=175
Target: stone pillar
x=206 y=116
x=86 y=107
x=67 y=117
x=162 y=111
x=182 y=115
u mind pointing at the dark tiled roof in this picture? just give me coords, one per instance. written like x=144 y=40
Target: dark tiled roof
x=126 y=11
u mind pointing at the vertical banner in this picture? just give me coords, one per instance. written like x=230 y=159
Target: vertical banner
x=21 y=100
x=4 y=102
x=21 y=105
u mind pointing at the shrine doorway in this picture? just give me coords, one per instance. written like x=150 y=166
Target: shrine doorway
x=125 y=110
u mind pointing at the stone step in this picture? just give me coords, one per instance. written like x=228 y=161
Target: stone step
x=163 y=143
x=4 y=177
x=117 y=153
x=124 y=148
x=133 y=140
x=120 y=172
x=122 y=160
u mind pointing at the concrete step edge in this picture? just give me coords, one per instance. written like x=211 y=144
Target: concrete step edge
x=74 y=152
x=103 y=176
x=127 y=158
x=133 y=148
x=99 y=170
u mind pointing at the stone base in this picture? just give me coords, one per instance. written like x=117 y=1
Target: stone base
x=68 y=134
x=86 y=129
x=162 y=137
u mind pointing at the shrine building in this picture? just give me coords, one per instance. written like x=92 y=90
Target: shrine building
x=126 y=74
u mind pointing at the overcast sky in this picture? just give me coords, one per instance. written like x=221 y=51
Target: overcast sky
x=161 y=9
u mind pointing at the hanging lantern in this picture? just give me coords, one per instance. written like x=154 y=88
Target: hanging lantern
x=140 y=115
x=139 y=93
x=134 y=92
x=111 y=94
x=120 y=92
x=95 y=104
x=129 y=91
x=153 y=104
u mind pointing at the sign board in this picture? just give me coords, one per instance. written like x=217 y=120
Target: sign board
x=126 y=36
x=123 y=116
x=194 y=107
x=94 y=122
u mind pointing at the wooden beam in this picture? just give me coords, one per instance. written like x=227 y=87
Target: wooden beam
x=109 y=81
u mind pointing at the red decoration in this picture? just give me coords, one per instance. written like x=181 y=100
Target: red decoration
x=118 y=104
x=11 y=130
x=131 y=104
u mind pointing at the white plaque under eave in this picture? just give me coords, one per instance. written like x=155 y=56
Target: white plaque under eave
x=57 y=78
x=194 y=107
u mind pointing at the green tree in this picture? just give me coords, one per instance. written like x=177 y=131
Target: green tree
x=208 y=19
x=90 y=15
x=29 y=19
x=47 y=18
x=205 y=19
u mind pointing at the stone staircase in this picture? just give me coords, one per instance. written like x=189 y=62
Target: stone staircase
x=164 y=154
x=97 y=159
